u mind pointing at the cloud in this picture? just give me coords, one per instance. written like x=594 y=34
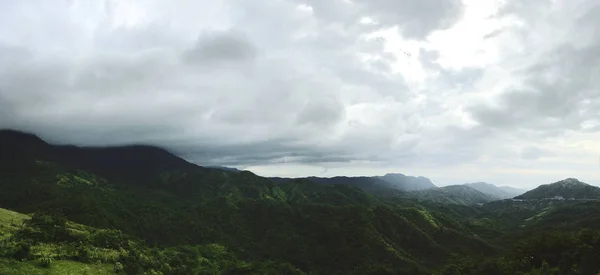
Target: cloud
x=212 y=48
x=557 y=86
x=441 y=88
x=534 y=153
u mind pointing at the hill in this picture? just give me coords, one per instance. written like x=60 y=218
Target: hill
x=294 y=227
x=456 y=194
x=570 y=188
x=47 y=243
x=407 y=183
x=225 y=168
x=389 y=184
x=502 y=192
x=155 y=213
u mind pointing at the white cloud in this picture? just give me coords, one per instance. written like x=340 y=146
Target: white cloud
x=495 y=91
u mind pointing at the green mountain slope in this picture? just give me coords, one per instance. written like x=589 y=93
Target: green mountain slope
x=407 y=183
x=566 y=189
x=47 y=243
x=164 y=202
x=389 y=184
x=457 y=194
x=142 y=210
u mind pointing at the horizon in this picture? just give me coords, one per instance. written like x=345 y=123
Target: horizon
x=504 y=92
x=527 y=188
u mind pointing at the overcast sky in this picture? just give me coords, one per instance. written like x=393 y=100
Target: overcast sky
x=506 y=92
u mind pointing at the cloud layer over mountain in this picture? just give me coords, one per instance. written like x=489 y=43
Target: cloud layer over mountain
x=506 y=92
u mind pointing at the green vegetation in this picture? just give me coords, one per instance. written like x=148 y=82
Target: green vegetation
x=144 y=211
x=455 y=194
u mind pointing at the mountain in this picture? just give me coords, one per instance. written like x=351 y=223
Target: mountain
x=407 y=183
x=455 y=194
x=512 y=190
x=134 y=162
x=231 y=169
x=570 y=188
x=175 y=211
x=141 y=210
x=390 y=184
x=502 y=192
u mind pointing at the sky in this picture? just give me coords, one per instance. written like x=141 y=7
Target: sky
x=506 y=92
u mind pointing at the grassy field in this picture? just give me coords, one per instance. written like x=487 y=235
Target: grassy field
x=10 y=222
x=57 y=268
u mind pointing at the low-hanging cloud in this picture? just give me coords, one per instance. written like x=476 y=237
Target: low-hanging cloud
x=435 y=87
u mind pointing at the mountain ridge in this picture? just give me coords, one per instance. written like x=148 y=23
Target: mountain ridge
x=501 y=192
x=188 y=219
x=570 y=188
x=454 y=194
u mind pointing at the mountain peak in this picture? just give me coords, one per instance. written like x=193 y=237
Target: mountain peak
x=570 y=188
x=19 y=146
x=407 y=183
x=8 y=136
x=570 y=181
x=394 y=175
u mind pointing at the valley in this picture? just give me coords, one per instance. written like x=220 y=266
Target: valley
x=142 y=210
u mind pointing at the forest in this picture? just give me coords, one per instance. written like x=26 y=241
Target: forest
x=143 y=210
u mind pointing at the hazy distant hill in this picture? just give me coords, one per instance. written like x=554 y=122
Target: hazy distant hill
x=377 y=184
x=567 y=189
x=407 y=183
x=512 y=190
x=455 y=194
x=502 y=192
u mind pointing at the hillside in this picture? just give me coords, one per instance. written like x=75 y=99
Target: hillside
x=158 y=198
x=47 y=243
x=389 y=184
x=566 y=189
x=456 y=194
x=407 y=183
x=154 y=213
x=501 y=192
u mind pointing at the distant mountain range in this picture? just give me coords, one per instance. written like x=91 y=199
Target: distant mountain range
x=396 y=184
x=570 y=188
x=501 y=192
x=389 y=184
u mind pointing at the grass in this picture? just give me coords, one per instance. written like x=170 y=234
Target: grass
x=428 y=218
x=56 y=268
x=10 y=222
x=9 y=217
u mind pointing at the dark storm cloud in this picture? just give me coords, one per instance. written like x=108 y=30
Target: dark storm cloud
x=261 y=153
